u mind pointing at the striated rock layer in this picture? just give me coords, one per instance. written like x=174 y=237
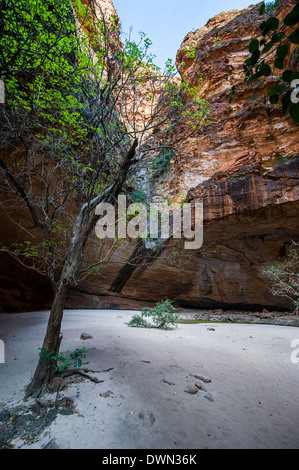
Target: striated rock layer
x=243 y=166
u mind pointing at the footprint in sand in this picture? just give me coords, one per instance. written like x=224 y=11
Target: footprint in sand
x=147 y=418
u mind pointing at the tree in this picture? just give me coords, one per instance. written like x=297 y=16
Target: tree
x=280 y=40
x=80 y=105
x=284 y=276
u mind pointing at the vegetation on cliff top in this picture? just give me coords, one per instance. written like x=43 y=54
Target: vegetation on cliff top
x=278 y=38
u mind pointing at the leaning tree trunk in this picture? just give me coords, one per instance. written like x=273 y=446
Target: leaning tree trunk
x=81 y=229
x=43 y=376
x=44 y=373
x=85 y=221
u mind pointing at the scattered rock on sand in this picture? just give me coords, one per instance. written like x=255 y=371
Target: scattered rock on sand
x=209 y=397
x=85 y=336
x=200 y=387
x=192 y=389
x=52 y=444
x=4 y=416
x=167 y=382
x=24 y=420
x=27 y=423
x=200 y=377
x=107 y=394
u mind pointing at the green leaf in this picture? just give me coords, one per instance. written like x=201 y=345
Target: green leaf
x=279 y=64
x=272 y=23
x=275 y=90
x=294 y=37
x=264 y=28
x=274 y=99
x=254 y=45
x=266 y=70
x=286 y=101
x=286 y=76
x=277 y=37
x=255 y=57
x=248 y=62
x=255 y=76
x=294 y=113
x=262 y=9
x=292 y=18
x=267 y=47
x=282 y=52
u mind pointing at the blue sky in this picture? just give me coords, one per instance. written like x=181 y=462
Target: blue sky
x=167 y=22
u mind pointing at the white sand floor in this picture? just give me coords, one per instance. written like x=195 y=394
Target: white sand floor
x=251 y=402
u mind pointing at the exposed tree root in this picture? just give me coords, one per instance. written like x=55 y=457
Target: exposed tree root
x=58 y=378
x=84 y=372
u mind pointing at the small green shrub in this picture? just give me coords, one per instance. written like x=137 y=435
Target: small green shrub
x=139 y=196
x=283 y=159
x=78 y=355
x=62 y=363
x=162 y=315
x=284 y=276
x=138 y=321
x=162 y=163
x=270 y=6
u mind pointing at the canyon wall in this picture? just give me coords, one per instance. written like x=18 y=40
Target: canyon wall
x=244 y=166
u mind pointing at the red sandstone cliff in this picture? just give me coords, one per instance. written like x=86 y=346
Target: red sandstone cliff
x=246 y=134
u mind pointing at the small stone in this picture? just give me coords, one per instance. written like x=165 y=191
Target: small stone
x=218 y=312
x=209 y=397
x=168 y=382
x=192 y=389
x=211 y=329
x=6 y=433
x=266 y=315
x=44 y=403
x=200 y=387
x=4 y=416
x=52 y=444
x=107 y=394
x=200 y=377
x=85 y=336
x=14 y=441
x=23 y=420
x=65 y=402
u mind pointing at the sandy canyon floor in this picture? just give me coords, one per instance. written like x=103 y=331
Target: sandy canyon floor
x=206 y=385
